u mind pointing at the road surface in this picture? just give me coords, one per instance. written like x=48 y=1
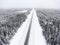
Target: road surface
x=30 y=33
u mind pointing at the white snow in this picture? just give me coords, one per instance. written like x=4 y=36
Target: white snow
x=23 y=11
x=20 y=36
x=36 y=36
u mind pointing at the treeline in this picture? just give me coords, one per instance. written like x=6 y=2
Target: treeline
x=10 y=27
x=51 y=28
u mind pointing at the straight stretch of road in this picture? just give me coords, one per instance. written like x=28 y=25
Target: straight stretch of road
x=30 y=33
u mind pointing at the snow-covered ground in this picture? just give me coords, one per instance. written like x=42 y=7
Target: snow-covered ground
x=23 y=11
x=36 y=37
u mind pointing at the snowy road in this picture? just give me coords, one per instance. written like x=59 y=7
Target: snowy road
x=36 y=36
x=30 y=33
